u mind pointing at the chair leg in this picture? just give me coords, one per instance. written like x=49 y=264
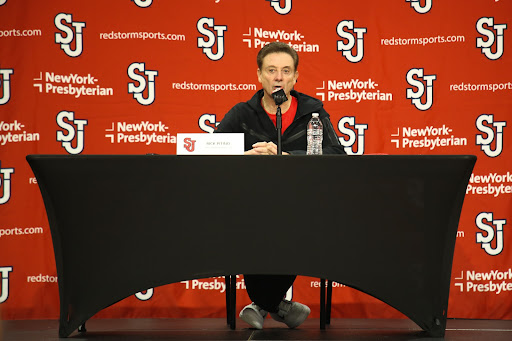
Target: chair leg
x=227 y=280
x=329 y=302
x=232 y=301
x=322 y=303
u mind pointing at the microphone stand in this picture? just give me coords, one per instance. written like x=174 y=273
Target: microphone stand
x=279 y=125
x=279 y=98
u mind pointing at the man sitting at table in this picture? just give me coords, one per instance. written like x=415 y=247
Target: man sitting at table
x=256 y=118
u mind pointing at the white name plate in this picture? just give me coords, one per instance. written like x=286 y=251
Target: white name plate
x=210 y=144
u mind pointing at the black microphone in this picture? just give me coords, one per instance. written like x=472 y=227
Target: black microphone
x=279 y=97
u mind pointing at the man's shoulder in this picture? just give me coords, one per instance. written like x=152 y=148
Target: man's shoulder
x=308 y=102
x=242 y=108
x=247 y=107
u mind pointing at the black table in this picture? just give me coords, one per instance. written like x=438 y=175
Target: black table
x=385 y=225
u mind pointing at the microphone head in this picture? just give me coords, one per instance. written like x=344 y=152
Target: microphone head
x=279 y=97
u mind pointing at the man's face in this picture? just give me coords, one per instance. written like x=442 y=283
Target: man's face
x=277 y=72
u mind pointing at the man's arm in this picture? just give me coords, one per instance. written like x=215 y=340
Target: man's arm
x=229 y=124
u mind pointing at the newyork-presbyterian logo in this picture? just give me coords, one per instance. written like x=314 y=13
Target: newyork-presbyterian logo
x=5 y=183
x=5 y=85
x=73 y=132
x=72 y=33
x=416 y=4
x=494 y=34
x=351 y=36
x=212 y=38
x=146 y=81
x=493 y=233
x=492 y=133
x=4 y=285
x=354 y=133
x=423 y=86
x=143 y=3
x=283 y=10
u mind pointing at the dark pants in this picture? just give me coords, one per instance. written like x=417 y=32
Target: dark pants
x=267 y=291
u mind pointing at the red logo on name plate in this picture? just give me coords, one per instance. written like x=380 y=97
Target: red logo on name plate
x=190 y=144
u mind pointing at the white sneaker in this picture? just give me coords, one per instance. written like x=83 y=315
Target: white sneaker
x=253 y=315
x=291 y=313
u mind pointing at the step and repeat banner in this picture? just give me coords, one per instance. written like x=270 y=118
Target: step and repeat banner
x=125 y=76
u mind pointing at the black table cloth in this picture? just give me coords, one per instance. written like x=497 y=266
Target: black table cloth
x=385 y=225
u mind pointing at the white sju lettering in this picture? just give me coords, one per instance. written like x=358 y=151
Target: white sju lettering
x=492 y=37
x=5 y=182
x=491 y=135
x=212 y=119
x=486 y=239
x=416 y=4
x=347 y=49
x=72 y=132
x=415 y=96
x=276 y=4
x=4 y=285
x=352 y=136
x=149 y=84
x=65 y=41
x=207 y=45
x=145 y=296
x=5 y=78
x=143 y=3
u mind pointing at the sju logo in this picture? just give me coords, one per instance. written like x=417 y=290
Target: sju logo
x=5 y=184
x=208 y=118
x=145 y=296
x=71 y=35
x=207 y=45
x=487 y=238
x=4 y=285
x=75 y=130
x=146 y=80
x=354 y=132
x=426 y=88
x=5 y=85
x=189 y=144
x=280 y=9
x=494 y=34
x=347 y=49
x=491 y=135
x=143 y=3
x=416 y=4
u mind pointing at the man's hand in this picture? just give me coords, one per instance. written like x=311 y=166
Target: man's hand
x=263 y=148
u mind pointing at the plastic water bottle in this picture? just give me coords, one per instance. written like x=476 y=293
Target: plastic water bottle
x=315 y=131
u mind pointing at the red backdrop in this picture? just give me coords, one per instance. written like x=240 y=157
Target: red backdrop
x=123 y=77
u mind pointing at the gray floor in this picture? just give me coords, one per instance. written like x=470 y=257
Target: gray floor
x=216 y=329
